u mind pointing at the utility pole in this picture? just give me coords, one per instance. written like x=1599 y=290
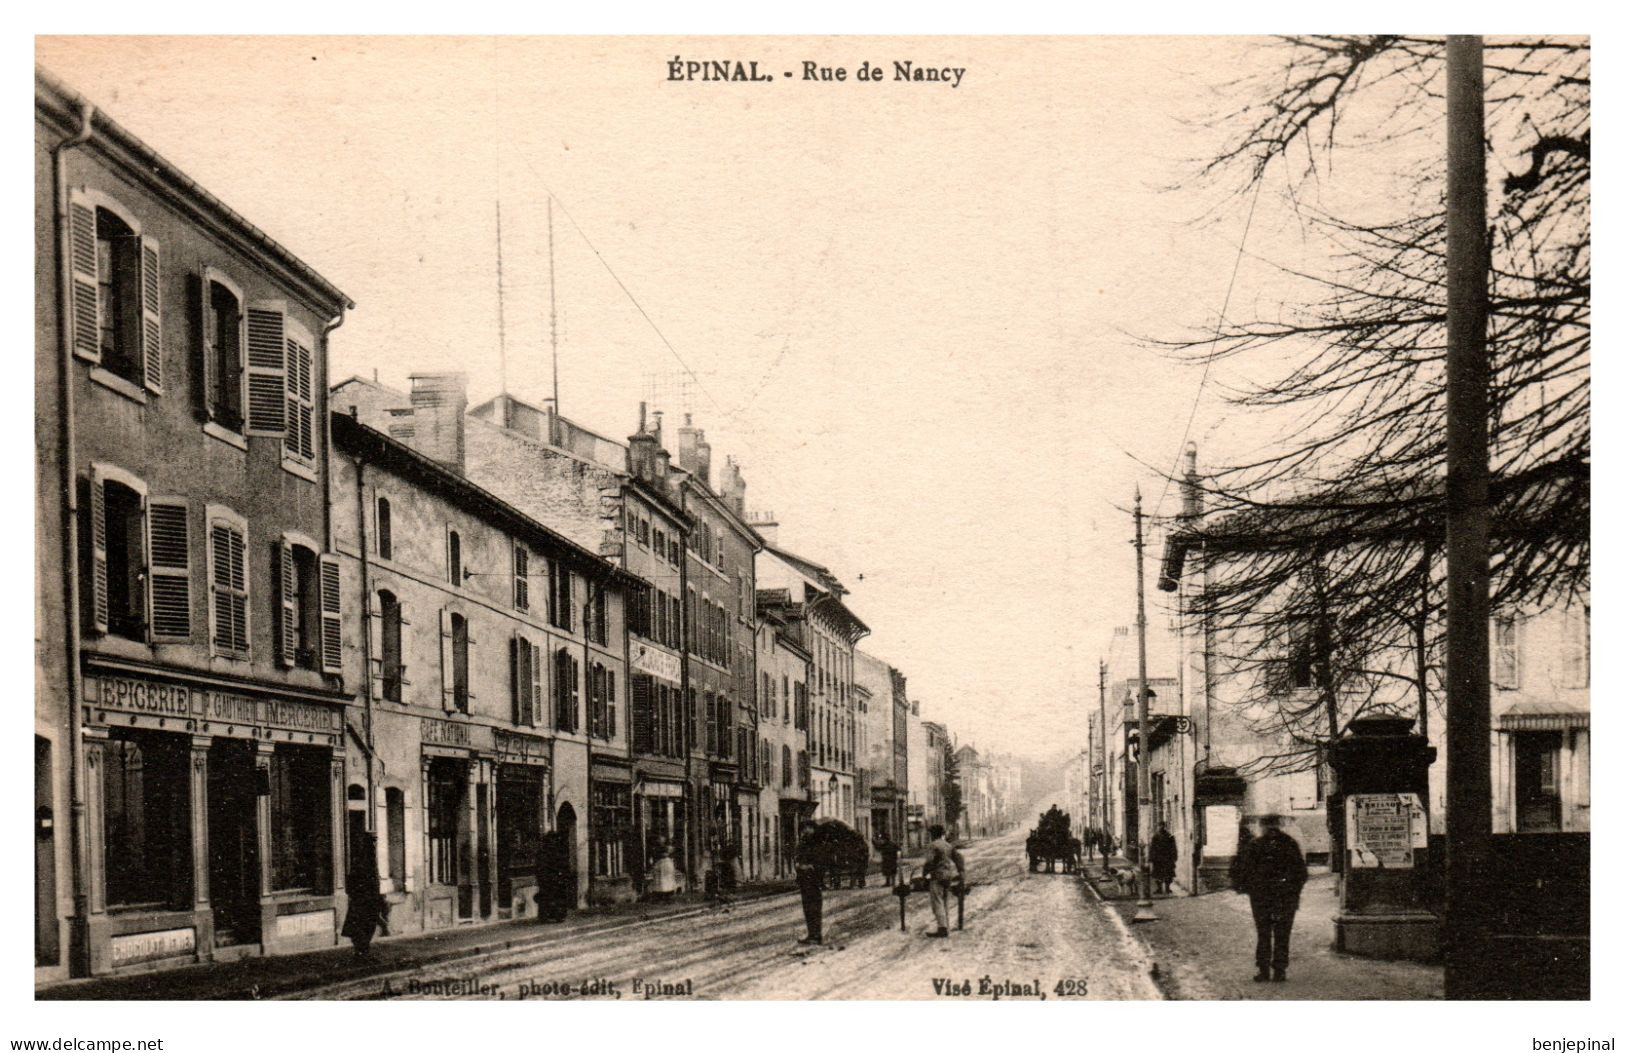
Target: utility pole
x=1105 y=762
x=1142 y=765
x=1467 y=686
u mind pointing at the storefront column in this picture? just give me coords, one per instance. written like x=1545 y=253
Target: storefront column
x=200 y=822
x=262 y=823
x=339 y=807
x=95 y=838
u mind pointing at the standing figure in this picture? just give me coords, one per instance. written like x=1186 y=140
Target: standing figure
x=1270 y=870
x=1164 y=854
x=888 y=860
x=810 y=882
x=662 y=873
x=368 y=911
x=945 y=867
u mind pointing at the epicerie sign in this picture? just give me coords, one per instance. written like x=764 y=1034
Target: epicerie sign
x=144 y=946
x=1384 y=830
x=130 y=695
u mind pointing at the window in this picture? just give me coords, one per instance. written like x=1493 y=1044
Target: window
x=454 y=557
x=228 y=577
x=1506 y=651
x=271 y=374
x=299 y=617
x=459 y=663
x=1576 y=652
x=660 y=541
x=146 y=819
x=223 y=353
x=767 y=764
x=456 y=659
x=391 y=673
x=601 y=702
x=301 y=819
x=116 y=292
x=596 y=616
x=447 y=783
x=395 y=832
x=787 y=770
x=125 y=574
x=526 y=668
x=566 y=691
x=560 y=608
x=386 y=542
x=521 y=577
x=611 y=827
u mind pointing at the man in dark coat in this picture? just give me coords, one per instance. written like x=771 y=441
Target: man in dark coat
x=555 y=878
x=888 y=860
x=368 y=910
x=1164 y=854
x=1270 y=870
x=810 y=882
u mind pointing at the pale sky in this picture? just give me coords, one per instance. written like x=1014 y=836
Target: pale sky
x=911 y=308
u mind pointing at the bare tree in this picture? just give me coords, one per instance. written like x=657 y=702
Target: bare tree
x=1325 y=546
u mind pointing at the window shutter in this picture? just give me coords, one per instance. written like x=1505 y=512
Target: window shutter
x=375 y=646
x=473 y=662
x=267 y=369
x=169 y=570
x=287 y=624
x=300 y=439
x=642 y=713
x=229 y=575
x=537 y=699
x=332 y=615
x=87 y=323
x=98 y=552
x=152 y=329
x=575 y=693
x=447 y=702
x=516 y=681
x=609 y=701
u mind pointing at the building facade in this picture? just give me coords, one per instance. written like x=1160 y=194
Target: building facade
x=490 y=652
x=786 y=777
x=190 y=744
x=883 y=774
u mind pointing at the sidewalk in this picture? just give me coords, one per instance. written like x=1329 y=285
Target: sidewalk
x=1203 y=947
x=252 y=978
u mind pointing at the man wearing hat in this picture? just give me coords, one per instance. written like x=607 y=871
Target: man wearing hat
x=1270 y=870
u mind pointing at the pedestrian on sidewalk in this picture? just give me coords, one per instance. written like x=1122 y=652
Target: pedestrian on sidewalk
x=1164 y=854
x=888 y=860
x=945 y=867
x=663 y=874
x=1271 y=871
x=810 y=882
x=368 y=910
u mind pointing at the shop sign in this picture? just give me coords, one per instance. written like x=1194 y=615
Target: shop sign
x=146 y=946
x=456 y=733
x=646 y=659
x=310 y=923
x=1384 y=830
x=511 y=747
x=156 y=698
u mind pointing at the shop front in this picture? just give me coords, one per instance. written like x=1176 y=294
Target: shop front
x=660 y=823
x=521 y=799
x=459 y=774
x=611 y=839
x=214 y=817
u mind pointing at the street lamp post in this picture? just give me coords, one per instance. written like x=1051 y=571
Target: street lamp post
x=1143 y=909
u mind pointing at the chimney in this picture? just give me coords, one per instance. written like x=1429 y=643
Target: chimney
x=1191 y=487
x=733 y=487
x=702 y=454
x=640 y=449
x=662 y=463
x=438 y=403
x=688 y=450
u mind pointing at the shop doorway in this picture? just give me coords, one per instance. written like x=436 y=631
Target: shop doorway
x=1537 y=756
x=47 y=945
x=482 y=840
x=234 y=852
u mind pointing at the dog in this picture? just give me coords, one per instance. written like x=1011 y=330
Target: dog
x=1124 y=878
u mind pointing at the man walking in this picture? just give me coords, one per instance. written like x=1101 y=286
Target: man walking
x=810 y=881
x=1164 y=856
x=944 y=866
x=1270 y=870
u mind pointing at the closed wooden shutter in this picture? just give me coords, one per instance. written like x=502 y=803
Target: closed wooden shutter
x=208 y=362
x=287 y=623
x=447 y=701
x=518 y=682
x=301 y=438
x=86 y=294
x=229 y=574
x=267 y=369
x=609 y=700
x=152 y=323
x=521 y=578
x=472 y=664
x=332 y=600
x=98 y=552
x=170 y=570
x=643 y=714
x=375 y=645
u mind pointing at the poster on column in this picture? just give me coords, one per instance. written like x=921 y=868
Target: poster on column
x=1385 y=829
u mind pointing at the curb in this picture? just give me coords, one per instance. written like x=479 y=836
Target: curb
x=1136 y=947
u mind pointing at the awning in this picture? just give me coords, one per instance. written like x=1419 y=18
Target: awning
x=1542 y=716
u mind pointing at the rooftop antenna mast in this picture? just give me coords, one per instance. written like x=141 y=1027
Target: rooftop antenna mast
x=502 y=323
x=552 y=323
